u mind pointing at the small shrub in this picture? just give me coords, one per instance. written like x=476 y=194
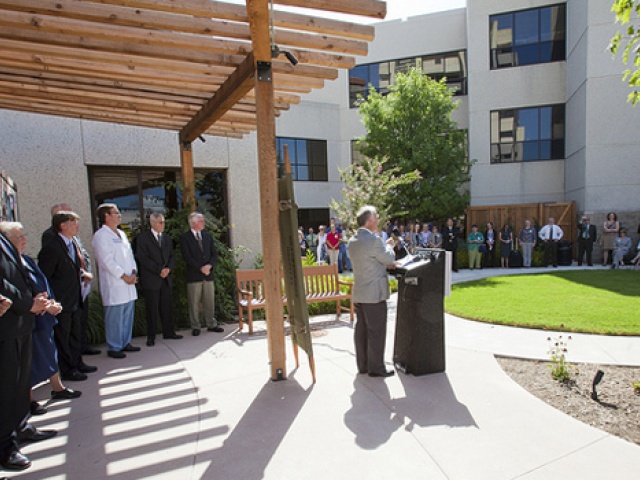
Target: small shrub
x=561 y=369
x=309 y=260
x=636 y=388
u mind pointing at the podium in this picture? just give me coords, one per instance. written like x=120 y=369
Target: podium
x=419 y=341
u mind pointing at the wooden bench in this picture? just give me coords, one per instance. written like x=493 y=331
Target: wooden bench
x=321 y=284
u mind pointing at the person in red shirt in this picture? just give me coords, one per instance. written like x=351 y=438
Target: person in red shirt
x=333 y=245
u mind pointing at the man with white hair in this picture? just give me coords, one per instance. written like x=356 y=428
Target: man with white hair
x=200 y=254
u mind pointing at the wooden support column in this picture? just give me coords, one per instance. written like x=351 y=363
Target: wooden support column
x=188 y=179
x=258 y=12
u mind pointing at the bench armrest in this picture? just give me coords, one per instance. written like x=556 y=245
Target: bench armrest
x=348 y=284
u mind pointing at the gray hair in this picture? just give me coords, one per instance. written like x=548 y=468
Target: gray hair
x=154 y=217
x=364 y=214
x=8 y=227
x=193 y=217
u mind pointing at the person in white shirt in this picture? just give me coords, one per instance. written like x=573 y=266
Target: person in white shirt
x=550 y=235
x=118 y=278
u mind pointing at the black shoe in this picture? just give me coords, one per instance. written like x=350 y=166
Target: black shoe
x=74 y=376
x=65 y=394
x=84 y=368
x=215 y=329
x=91 y=351
x=195 y=332
x=130 y=348
x=37 y=409
x=173 y=336
x=116 y=354
x=386 y=373
x=15 y=461
x=31 y=434
x=151 y=343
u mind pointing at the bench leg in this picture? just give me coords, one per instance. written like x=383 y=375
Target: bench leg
x=351 y=310
x=250 y=319
x=240 y=317
x=338 y=309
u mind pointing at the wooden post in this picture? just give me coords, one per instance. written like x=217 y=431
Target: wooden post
x=188 y=178
x=258 y=12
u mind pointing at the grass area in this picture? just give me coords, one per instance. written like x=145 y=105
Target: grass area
x=597 y=301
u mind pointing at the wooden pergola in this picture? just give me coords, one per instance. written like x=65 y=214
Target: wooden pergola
x=192 y=66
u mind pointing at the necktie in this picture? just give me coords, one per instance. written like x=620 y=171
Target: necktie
x=159 y=239
x=72 y=250
x=551 y=232
x=199 y=239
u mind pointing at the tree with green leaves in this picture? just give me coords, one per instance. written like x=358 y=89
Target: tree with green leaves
x=370 y=182
x=630 y=41
x=411 y=129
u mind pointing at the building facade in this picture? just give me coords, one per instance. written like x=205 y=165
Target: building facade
x=539 y=94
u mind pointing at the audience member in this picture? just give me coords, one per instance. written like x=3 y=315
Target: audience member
x=303 y=244
x=200 y=254
x=322 y=239
x=118 y=278
x=527 y=237
x=435 y=240
x=610 y=233
x=333 y=246
x=415 y=237
x=490 y=238
x=474 y=240
x=621 y=247
x=587 y=235
x=312 y=241
x=450 y=241
x=551 y=234
x=506 y=241
x=425 y=236
x=154 y=251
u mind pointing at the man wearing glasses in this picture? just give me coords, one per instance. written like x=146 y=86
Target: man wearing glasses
x=118 y=277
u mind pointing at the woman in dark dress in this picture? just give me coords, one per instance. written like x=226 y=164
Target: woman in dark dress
x=490 y=238
x=506 y=239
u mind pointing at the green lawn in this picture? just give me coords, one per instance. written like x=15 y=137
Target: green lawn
x=597 y=301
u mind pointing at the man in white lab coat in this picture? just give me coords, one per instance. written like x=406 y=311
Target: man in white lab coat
x=118 y=277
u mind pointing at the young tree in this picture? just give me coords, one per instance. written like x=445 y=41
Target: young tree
x=624 y=9
x=370 y=182
x=411 y=129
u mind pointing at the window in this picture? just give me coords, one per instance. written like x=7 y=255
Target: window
x=308 y=158
x=527 y=134
x=139 y=192
x=527 y=37
x=381 y=76
x=313 y=217
x=356 y=152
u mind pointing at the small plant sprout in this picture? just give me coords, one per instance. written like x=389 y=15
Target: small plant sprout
x=561 y=369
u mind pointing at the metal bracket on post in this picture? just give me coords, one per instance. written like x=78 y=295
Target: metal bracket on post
x=264 y=71
x=186 y=146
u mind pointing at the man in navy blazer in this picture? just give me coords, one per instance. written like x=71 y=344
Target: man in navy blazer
x=60 y=260
x=200 y=254
x=154 y=252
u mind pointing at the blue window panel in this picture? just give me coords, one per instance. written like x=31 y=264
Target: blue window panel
x=528 y=124
x=527 y=27
x=530 y=151
x=545 y=150
x=546 y=24
x=374 y=76
x=545 y=123
x=359 y=75
x=502 y=30
x=303 y=172
x=301 y=153
x=527 y=55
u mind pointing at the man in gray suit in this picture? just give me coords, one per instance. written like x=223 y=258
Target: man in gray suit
x=370 y=258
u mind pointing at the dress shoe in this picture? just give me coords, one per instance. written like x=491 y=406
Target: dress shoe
x=31 y=434
x=174 y=336
x=151 y=343
x=215 y=329
x=65 y=394
x=91 y=351
x=15 y=461
x=74 y=376
x=386 y=373
x=116 y=354
x=84 y=368
x=130 y=348
x=37 y=409
x=195 y=332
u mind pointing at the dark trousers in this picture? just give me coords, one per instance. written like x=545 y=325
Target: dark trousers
x=68 y=337
x=84 y=320
x=550 y=253
x=370 y=336
x=489 y=258
x=158 y=303
x=585 y=246
x=15 y=373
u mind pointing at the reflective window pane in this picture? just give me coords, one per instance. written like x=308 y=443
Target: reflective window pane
x=501 y=28
x=526 y=27
x=528 y=124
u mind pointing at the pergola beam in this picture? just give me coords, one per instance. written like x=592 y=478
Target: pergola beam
x=367 y=8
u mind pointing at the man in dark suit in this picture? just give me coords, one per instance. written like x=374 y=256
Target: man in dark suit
x=370 y=258
x=200 y=254
x=450 y=242
x=587 y=235
x=20 y=302
x=154 y=252
x=47 y=235
x=60 y=260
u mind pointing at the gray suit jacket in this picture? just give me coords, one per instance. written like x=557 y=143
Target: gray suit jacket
x=370 y=257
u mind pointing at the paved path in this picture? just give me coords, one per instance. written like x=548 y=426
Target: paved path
x=204 y=408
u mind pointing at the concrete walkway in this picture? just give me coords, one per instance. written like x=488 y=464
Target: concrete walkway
x=204 y=408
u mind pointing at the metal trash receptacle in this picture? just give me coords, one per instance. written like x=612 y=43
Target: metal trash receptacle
x=565 y=253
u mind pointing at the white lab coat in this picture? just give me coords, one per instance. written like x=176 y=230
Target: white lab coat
x=114 y=258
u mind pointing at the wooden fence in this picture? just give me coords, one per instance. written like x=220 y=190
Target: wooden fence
x=515 y=215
